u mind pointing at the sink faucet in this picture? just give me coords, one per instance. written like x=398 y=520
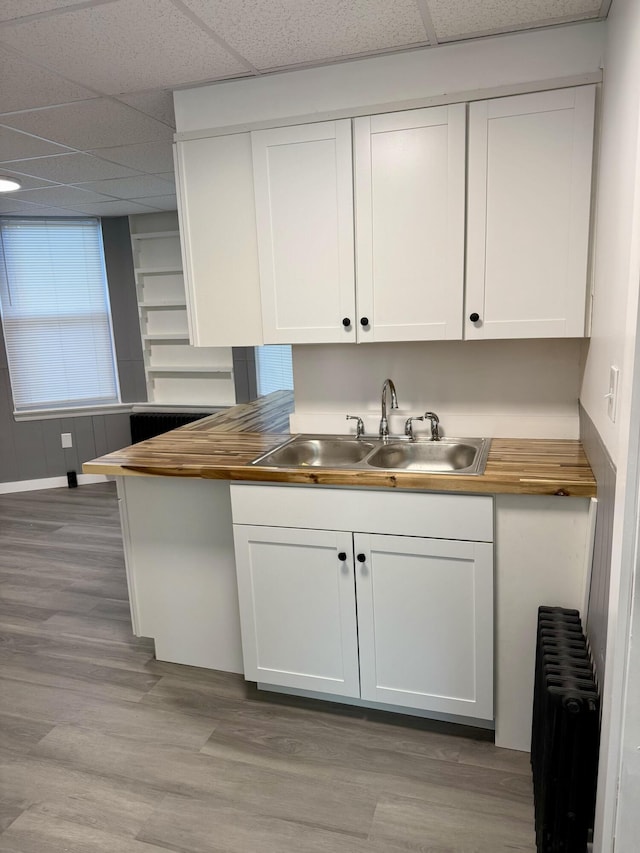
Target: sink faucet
x=384 y=425
x=435 y=421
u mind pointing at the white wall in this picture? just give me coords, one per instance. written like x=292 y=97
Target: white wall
x=615 y=319
x=491 y=388
x=615 y=282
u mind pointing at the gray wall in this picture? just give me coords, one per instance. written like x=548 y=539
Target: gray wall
x=605 y=474
x=32 y=449
x=124 y=308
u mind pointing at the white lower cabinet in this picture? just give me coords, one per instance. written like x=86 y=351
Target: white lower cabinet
x=401 y=620
x=425 y=623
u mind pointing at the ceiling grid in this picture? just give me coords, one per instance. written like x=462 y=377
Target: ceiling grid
x=86 y=106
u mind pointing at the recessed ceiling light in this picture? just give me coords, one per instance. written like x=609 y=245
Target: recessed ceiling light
x=8 y=185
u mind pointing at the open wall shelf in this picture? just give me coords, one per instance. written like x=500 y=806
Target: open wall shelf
x=177 y=374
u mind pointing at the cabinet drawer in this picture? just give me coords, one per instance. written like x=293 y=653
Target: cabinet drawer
x=428 y=514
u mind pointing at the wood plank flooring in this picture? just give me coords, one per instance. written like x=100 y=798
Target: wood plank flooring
x=103 y=749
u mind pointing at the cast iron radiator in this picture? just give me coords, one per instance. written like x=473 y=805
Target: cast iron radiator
x=147 y=424
x=565 y=734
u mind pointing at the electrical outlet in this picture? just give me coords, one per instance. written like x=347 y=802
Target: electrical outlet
x=67 y=439
x=612 y=394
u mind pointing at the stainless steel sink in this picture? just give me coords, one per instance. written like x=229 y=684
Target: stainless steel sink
x=318 y=451
x=439 y=457
x=447 y=456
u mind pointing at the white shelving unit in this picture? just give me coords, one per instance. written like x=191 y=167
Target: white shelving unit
x=177 y=373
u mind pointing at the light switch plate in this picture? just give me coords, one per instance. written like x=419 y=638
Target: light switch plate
x=67 y=439
x=612 y=395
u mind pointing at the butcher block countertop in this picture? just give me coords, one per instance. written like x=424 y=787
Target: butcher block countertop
x=220 y=447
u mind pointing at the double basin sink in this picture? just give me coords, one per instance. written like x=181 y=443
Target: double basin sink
x=447 y=456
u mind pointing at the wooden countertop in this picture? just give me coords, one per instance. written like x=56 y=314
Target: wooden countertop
x=220 y=447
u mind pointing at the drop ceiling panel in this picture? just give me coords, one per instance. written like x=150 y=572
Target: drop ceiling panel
x=136 y=187
x=18 y=146
x=158 y=105
x=457 y=18
x=170 y=177
x=276 y=33
x=19 y=8
x=123 y=46
x=112 y=208
x=152 y=157
x=61 y=196
x=71 y=168
x=161 y=202
x=13 y=205
x=25 y=85
x=26 y=182
x=90 y=124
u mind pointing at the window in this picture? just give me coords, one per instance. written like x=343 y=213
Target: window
x=55 y=313
x=274 y=371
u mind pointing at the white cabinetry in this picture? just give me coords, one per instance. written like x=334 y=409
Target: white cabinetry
x=530 y=162
x=304 y=214
x=424 y=634
x=277 y=249
x=218 y=236
x=425 y=623
x=301 y=631
x=409 y=228
x=410 y=197
x=176 y=372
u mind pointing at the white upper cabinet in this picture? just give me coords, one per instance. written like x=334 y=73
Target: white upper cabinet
x=410 y=199
x=218 y=236
x=304 y=216
x=276 y=249
x=529 y=198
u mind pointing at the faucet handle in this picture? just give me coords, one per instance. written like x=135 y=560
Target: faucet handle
x=359 y=425
x=408 y=426
x=435 y=423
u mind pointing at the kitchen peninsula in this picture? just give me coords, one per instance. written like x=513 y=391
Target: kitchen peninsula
x=176 y=508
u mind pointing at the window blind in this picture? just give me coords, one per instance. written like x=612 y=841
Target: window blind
x=274 y=369
x=55 y=314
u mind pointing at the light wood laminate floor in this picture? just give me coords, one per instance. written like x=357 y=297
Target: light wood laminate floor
x=103 y=748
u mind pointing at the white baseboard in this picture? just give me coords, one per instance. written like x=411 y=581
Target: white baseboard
x=50 y=483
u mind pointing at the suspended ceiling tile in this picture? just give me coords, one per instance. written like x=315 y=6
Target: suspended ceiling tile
x=136 y=187
x=70 y=168
x=13 y=205
x=122 y=46
x=10 y=9
x=18 y=146
x=112 y=208
x=456 y=18
x=158 y=105
x=151 y=157
x=60 y=196
x=169 y=176
x=27 y=182
x=25 y=85
x=277 y=33
x=160 y=202
x=90 y=124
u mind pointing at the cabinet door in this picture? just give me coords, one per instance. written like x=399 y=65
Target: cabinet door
x=425 y=621
x=297 y=608
x=216 y=211
x=410 y=198
x=530 y=162
x=304 y=212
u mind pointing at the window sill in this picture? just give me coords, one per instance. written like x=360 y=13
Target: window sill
x=76 y=412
